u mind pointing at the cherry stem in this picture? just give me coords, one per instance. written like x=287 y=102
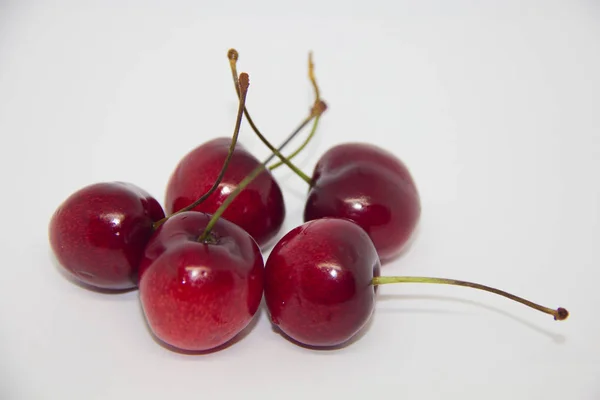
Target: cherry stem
x=311 y=76
x=313 y=81
x=317 y=109
x=559 y=314
x=243 y=83
x=247 y=180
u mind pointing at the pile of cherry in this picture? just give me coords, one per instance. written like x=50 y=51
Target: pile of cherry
x=200 y=272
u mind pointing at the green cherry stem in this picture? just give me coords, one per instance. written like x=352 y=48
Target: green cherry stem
x=317 y=109
x=243 y=83
x=559 y=314
x=313 y=81
x=249 y=178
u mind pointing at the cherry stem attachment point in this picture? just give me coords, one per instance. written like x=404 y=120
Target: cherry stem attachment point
x=243 y=83
x=318 y=108
x=559 y=314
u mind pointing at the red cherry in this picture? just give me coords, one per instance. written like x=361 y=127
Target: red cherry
x=98 y=234
x=318 y=282
x=371 y=187
x=321 y=279
x=259 y=209
x=197 y=296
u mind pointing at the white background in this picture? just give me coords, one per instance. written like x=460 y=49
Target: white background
x=494 y=106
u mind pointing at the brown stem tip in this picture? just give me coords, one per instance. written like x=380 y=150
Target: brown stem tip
x=561 y=314
x=319 y=108
x=233 y=55
x=244 y=81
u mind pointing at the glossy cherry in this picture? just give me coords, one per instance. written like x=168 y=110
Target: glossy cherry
x=318 y=282
x=259 y=209
x=321 y=279
x=98 y=234
x=371 y=187
x=197 y=296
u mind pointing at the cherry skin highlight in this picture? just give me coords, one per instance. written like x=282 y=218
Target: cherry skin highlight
x=198 y=296
x=318 y=282
x=259 y=209
x=371 y=187
x=98 y=234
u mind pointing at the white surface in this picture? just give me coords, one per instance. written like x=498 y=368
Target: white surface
x=494 y=106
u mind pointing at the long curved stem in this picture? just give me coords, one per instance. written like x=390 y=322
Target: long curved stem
x=559 y=314
x=243 y=83
x=247 y=180
x=317 y=110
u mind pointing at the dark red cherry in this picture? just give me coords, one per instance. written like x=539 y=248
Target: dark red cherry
x=197 y=296
x=99 y=233
x=371 y=187
x=259 y=209
x=318 y=282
